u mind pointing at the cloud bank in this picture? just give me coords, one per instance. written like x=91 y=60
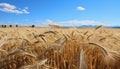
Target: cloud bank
x=6 y=7
x=74 y=23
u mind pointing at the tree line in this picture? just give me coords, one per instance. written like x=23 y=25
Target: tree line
x=4 y=26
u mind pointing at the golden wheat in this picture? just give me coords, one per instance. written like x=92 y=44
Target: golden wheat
x=38 y=48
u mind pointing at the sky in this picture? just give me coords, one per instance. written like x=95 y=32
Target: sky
x=62 y=12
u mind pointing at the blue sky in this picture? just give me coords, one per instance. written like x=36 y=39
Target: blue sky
x=63 y=12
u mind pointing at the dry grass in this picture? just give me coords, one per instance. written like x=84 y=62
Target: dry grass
x=44 y=48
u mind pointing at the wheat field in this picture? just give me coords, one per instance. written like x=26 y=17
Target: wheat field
x=50 y=48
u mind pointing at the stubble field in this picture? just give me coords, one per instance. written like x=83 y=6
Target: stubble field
x=50 y=48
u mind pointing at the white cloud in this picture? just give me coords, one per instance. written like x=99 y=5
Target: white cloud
x=74 y=23
x=26 y=8
x=80 y=8
x=46 y=22
x=5 y=7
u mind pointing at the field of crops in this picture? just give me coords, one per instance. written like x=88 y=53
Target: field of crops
x=50 y=48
